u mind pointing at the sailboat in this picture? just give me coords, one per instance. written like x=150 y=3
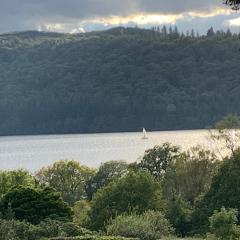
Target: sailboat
x=144 y=134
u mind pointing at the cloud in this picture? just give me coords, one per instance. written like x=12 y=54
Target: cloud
x=81 y=15
x=235 y=22
x=140 y=19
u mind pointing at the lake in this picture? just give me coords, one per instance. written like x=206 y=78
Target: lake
x=34 y=152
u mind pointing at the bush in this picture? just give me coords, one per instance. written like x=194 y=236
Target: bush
x=179 y=213
x=148 y=226
x=223 y=224
x=34 y=205
x=81 y=211
x=136 y=191
x=16 y=230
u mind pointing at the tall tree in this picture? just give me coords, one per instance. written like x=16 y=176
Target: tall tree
x=69 y=178
x=135 y=192
x=16 y=178
x=157 y=159
x=224 y=192
x=226 y=134
x=190 y=175
x=108 y=172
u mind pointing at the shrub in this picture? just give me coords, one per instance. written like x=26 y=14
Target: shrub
x=150 y=225
x=16 y=230
x=93 y=237
x=81 y=211
x=179 y=214
x=223 y=224
x=34 y=205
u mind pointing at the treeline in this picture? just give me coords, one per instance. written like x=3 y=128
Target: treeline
x=168 y=192
x=122 y=79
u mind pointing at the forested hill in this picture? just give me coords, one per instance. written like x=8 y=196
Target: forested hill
x=122 y=79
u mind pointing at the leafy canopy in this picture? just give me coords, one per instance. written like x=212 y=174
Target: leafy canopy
x=11 y=179
x=223 y=224
x=160 y=79
x=34 y=205
x=108 y=172
x=157 y=159
x=190 y=175
x=67 y=177
x=136 y=191
x=224 y=192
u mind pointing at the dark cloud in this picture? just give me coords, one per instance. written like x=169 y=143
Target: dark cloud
x=28 y=14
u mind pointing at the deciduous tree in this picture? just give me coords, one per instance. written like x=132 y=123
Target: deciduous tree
x=67 y=177
x=136 y=191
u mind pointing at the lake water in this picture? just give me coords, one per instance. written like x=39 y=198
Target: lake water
x=34 y=152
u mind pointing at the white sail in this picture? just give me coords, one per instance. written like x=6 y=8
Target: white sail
x=144 y=134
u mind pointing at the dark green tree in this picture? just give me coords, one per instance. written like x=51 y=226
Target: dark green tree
x=116 y=80
x=224 y=192
x=157 y=159
x=35 y=205
x=179 y=213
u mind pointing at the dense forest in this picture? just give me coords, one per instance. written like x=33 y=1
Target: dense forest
x=121 y=79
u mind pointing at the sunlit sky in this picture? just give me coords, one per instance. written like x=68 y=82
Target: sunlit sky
x=75 y=16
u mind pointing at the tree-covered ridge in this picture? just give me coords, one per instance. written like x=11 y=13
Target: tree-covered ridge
x=117 y=80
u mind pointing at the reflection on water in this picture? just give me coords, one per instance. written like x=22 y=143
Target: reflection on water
x=33 y=152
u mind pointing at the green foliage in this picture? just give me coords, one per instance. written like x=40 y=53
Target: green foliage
x=107 y=172
x=179 y=214
x=150 y=225
x=230 y=121
x=227 y=133
x=223 y=224
x=136 y=191
x=224 y=192
x=34 y=205
x=116 y=80
x=81 y=211
x=16 y=230
x=190 y=175
x=10 y=179
x=94 y=237
x=157 y=159
x=67 y=177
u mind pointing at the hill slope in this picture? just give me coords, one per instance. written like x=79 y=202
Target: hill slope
x=116 y=80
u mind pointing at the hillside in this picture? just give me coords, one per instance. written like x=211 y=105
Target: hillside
x=116 y=80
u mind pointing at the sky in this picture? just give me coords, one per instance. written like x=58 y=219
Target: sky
x=74 y=16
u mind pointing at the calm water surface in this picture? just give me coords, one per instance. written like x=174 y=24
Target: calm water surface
x=34 y=152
